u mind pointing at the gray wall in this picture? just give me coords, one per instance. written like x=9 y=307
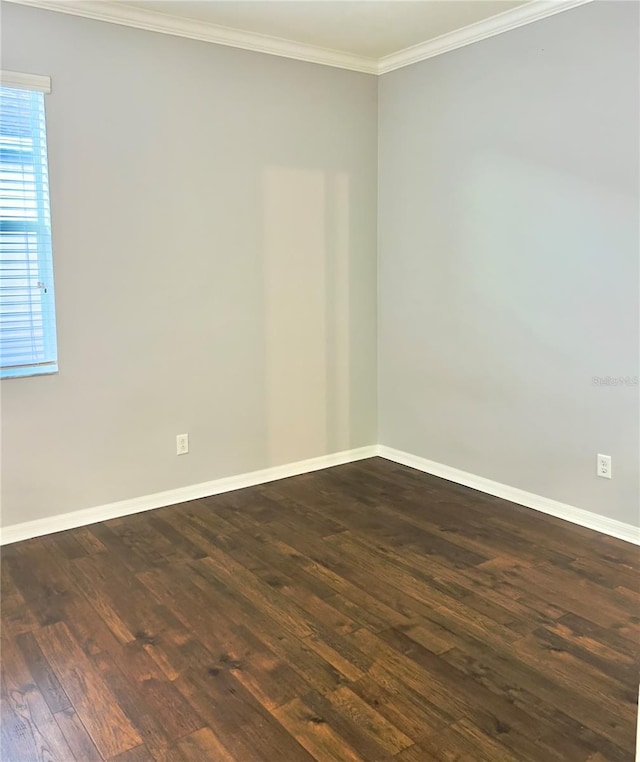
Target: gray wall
x=508 y=248
x=214 y=222
x=214 y=231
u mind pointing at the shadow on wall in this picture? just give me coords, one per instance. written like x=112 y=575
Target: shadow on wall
x=306 y=303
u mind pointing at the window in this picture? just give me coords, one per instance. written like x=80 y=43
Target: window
x=27 y=308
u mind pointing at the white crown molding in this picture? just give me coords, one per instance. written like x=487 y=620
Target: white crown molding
x=59 y=523
x=121 y=13
x=579 y=516
x=481 y=30
x=152 y=21
x=25 y=81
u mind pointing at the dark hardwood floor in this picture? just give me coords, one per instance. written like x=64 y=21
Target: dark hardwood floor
x=366 y=612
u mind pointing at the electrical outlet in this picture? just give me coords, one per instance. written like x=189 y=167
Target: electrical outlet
x=182 y=444
x=604 y=466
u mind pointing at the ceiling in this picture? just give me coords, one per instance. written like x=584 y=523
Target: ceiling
x=373 y=36
x=360 y=27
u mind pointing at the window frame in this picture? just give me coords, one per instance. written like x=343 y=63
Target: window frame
x=44 y=249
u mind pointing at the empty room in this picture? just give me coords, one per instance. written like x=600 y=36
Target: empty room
x=320 y=411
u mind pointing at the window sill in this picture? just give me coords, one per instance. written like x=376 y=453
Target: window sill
x=34 y=370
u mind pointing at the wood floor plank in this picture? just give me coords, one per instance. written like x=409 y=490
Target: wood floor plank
x=109 y=728
x=411 y=713
x=128 y=555
x=88 y=540
x=608 y=608
x=52 y=692
x=265 y=675
x=155 y=738
x=577 y=674
x=357 y=736
x=96 y=584
x=367 y=612
x=237 y=718
x=139 y=754
x=75 y=733
x=17 y=616
x=37 y=581
x=30 y=731
x=313 y=663
x=18 y=733
x=201 y=745
x=370 y=721
x=124 y=603
x=239 y=612
x=179 y=542
x=257 y=592
x=415 y=754
x=549 y=704
x=360 y=596
x=464 y=741
x=608 y=574
x=268 y=564
x=492 y=714
x=618 y=638
x=480 y=613
x=315 y=734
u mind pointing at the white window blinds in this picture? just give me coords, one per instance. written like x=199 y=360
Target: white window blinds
x=27 y=309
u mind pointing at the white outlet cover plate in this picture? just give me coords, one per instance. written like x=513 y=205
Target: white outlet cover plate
x=603 y=466
x=182 y=444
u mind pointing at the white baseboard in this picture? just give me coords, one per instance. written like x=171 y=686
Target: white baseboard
x=638 y=731
x=570 y=513
x=28 y=529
